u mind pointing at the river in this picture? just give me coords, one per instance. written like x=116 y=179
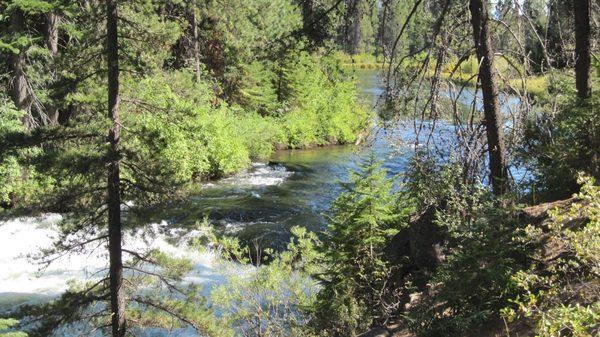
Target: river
x=297 y=186
x=294 y=188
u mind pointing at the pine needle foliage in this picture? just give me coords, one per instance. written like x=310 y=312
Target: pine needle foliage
x=364 y=218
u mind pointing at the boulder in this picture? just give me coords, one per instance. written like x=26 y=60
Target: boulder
x=537 y=214
x=426 y=240
x=421 y=243
x=398 y=247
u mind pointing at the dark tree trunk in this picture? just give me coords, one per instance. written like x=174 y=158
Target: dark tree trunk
x=352 y=38
x=554 y=41
x=582 y=48
x=491 y=106
x=17 y=65
x=51 y=33
x=314 y=24
x=117 y=299
x=51 y=37
x=355 y=28
x=195 y=47
x=307 y=16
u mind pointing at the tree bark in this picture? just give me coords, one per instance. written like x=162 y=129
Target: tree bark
x=17 y=65
x=491 y=105
x=307 y=15
x=51 y=33
x=196 y=49
x=582 y=48
x=117 y=299
x=353 y=27
x=51 y=38
x=554 y=42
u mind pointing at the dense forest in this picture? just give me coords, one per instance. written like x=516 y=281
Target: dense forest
x=299 y=168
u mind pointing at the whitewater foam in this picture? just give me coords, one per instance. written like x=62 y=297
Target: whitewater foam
x=22 y=238
x=260 y=174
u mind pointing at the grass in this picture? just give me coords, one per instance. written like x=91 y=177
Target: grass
x=360 y=61
x=537 y=87
x=509 y=77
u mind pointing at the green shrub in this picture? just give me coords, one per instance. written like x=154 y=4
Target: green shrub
x=10 y=170
x=324 y=106
x=265 y=299
x=9 y=323
x=178 y=128
x=258 y=92
x=201 y=136
x=301 y=129
x=169 y=142
x=470 y=287
x=271 y=300
x=227 y=152
x=260 y=134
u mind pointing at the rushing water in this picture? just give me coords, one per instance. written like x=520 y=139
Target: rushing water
x=295 y=188
x=265 y=201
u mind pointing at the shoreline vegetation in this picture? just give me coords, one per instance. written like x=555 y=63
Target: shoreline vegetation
x=204 y=137
x=360 y=61
x=538 y=87
x=321 y=107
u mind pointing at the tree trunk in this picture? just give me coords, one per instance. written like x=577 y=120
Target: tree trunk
x=491 y=106
x=51 y=33
x=307 y=16
x=554 y=40
x=196 y=49
x=352 y=31
x=117 y=300
x=51 y=37
x=582 y=48
x=17 y=65
x=355 y=28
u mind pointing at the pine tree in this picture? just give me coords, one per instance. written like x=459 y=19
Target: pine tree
x=363 y=219
x=94 y=176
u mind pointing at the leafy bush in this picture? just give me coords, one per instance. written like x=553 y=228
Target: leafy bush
x=10 y=171
x=546 y=274
x=324 y=106
x=8 y=323
x=258 y=92
x=180 y=129
x=480 y=255
x=570 y=320
x=201 y=136
x=270 y=299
